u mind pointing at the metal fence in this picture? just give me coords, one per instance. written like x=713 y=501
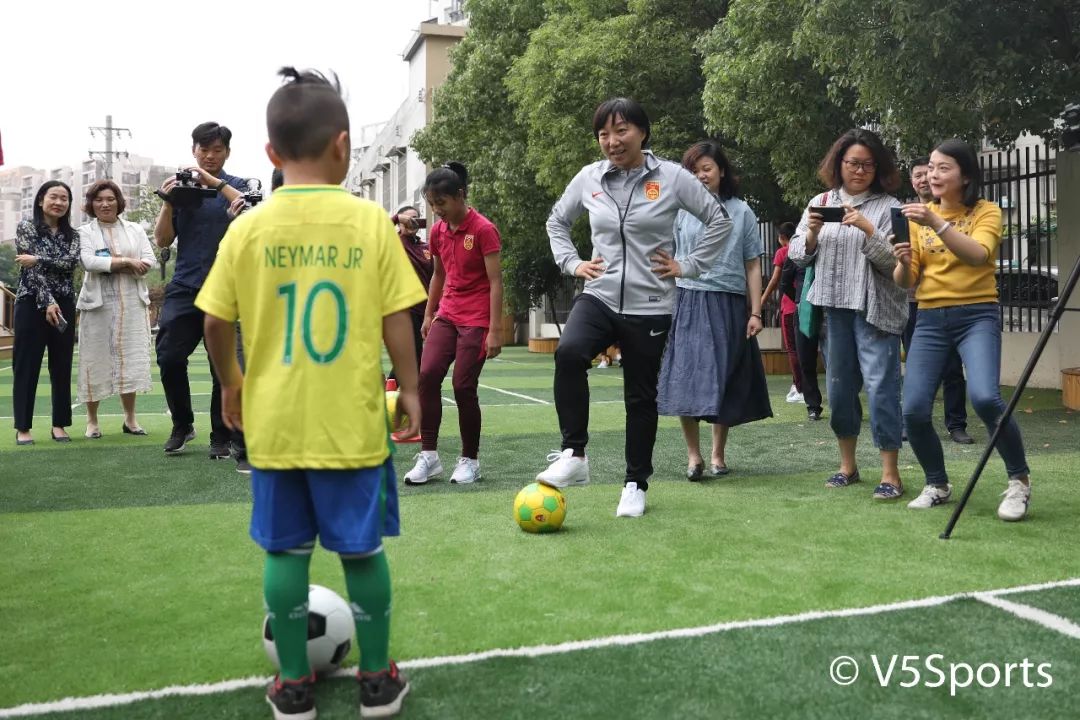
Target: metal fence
x=1023 y=184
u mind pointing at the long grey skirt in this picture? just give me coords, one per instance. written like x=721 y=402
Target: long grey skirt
x=711 y=370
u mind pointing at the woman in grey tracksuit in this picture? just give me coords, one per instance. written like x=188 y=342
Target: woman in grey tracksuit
x=632 y=198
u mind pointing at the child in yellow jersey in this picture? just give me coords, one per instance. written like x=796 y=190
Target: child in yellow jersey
x=320 y=281
x=951 y=256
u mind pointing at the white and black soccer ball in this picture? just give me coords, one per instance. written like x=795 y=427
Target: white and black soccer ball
x=330 y=631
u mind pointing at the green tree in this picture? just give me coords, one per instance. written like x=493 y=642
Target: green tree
x=786 y=77
x=473 y=123
x=9 y=271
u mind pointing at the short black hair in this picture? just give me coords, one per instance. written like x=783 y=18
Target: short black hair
x=403 y=208
x=451 y=179
x=64 y=224
x=786 y=229
x=921 y=160
x=729 y=186
x=629 y=110
x=305 y=114
x=886 y=176
x=968 y=160
x=277 y=179
x=208 y=133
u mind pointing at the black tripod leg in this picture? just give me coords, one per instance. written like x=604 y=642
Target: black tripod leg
x=1044 y=338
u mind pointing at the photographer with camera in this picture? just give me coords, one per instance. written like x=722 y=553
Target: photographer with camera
x=195 y=214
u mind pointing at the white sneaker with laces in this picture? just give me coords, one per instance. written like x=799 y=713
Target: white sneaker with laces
x=1015 y=505
x=632 y=502
x=565 y=470
x=930 y=496
x=467 y=471
x=791 y=393
x=427 y=466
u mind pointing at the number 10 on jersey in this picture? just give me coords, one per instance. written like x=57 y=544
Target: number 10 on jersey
x=341 y=329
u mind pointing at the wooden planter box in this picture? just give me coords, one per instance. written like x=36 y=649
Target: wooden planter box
x=543 y=345
x=1070 y=388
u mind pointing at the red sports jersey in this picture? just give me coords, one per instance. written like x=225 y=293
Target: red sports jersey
x=466 y=298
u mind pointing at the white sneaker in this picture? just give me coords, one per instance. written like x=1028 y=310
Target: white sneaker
x=632 y=502
x=427 y=466
x=930 y=496
x=793 y=395
x=564 y=470
x=467 y=471
x=1014 y=506
x=603 y=364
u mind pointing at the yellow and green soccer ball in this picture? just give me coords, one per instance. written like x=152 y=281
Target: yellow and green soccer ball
x=539 y=508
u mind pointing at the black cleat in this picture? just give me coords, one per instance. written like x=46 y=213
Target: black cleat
x=179 y=439
x=382 y=693
x=292 y=699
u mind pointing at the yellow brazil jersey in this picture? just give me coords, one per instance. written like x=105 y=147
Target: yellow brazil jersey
x=946 y=280
x=310 y=274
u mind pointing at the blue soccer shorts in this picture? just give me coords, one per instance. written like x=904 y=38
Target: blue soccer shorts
x=350 y=511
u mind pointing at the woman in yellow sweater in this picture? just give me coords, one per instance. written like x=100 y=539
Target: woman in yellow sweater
x=953 y=250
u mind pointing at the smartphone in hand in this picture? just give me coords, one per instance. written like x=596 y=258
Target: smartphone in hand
x=829 y=213
x=900 y=227
x=61 y=323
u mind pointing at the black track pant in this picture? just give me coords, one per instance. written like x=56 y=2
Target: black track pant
x=592 y=327
x=33 y=335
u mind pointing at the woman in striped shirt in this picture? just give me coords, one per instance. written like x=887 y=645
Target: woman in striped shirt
x=865 y=311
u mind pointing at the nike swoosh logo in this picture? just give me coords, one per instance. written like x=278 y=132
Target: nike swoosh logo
x=598 y=194
x=653 y=333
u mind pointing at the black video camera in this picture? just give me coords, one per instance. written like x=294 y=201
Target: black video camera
x=187 y=192
x=252 y=194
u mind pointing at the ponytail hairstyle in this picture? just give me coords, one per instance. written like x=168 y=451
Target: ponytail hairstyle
x=450 y=179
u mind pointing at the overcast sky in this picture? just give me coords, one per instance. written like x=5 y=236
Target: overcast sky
x=160 y=68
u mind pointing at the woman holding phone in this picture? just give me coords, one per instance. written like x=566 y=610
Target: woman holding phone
x=844 y=235
x=951 y=256
x=47 y=250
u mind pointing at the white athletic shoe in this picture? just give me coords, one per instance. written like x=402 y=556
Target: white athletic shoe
x=467 y=471
x=1014 y=506
x=565 y=470
x=632 y=502
x=794 y=396
x=930 y=496
x=427 y=466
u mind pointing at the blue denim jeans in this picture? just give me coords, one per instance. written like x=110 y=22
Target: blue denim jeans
x=858 y=352
x=975 y=332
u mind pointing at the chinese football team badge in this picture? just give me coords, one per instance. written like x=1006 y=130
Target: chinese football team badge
x=652 y=190
x=469 y=242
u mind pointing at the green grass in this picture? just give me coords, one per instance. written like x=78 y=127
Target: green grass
x=127 y=570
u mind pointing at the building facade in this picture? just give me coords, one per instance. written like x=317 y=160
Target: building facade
x=385 y=169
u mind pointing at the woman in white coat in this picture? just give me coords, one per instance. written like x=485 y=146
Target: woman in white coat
x=114 y=315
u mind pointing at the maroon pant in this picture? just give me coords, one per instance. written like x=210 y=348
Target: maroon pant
x=787 y=325
x=466 y=348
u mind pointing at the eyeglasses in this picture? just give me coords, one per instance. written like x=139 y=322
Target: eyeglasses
x=856 y=165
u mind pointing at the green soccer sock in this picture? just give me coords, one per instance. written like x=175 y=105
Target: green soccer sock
x=285 y=588
x=368 y=581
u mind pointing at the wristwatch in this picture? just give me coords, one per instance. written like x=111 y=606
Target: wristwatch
x=222 y=184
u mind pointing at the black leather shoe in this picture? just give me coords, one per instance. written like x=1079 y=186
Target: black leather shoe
x=960 y=436
x=23 y=442
x=136 y=431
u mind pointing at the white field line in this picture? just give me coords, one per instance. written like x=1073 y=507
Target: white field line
x=114 y=700
x=1033 y=614
x=7 y=368
x=517 y=395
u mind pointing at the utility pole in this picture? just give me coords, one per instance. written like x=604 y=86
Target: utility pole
x=108 y=154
